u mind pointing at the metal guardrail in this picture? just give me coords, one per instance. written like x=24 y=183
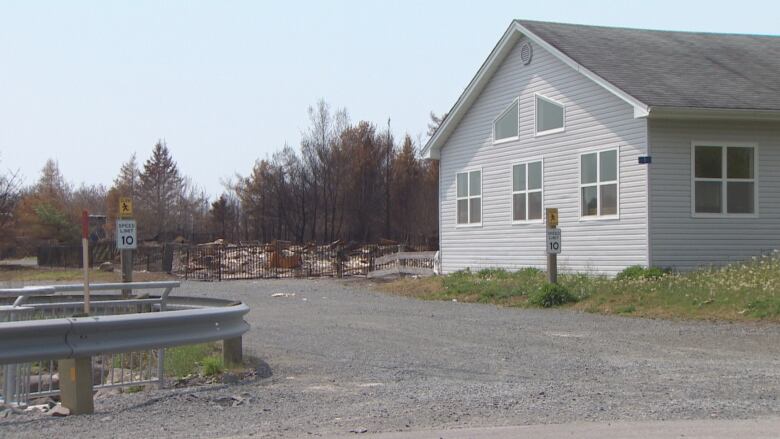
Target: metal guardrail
x=23 y=293
x=124 y=337
x=57 y=339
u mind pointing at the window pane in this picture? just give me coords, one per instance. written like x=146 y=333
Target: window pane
x=475 y=210
x=608 y=166
x=609 y=199
x=709 y=162
x=518 y=178
x=475 y=184
x=518 y=207
x=506 y=125
x=535 y=205
x=708 y=197
x=463 y=184
x=740 y=197
x=589 y=201
x=549 y=116
x=739 y=163
x=463 y=211
x=535 y=175
x=588 y=170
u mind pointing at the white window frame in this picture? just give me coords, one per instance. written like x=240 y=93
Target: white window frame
x=516 y=103
x=470 y=197
x=526 y=191
x=598 y=185
x=724 y=179
x=537 y=133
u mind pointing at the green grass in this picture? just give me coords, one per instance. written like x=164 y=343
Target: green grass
x=745 y=291
x=181 y=361
x=31 y=275
x=212 y=366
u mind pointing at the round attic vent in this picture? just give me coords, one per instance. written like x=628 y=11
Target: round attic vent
x=526 y=53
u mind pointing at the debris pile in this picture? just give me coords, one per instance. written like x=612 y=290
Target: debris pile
x=223 y=260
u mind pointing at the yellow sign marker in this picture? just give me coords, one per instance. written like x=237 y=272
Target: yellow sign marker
x=552 y=217
x=125 y=207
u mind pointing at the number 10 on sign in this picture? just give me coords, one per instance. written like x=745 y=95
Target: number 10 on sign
x=553 y=241
x=126 y=235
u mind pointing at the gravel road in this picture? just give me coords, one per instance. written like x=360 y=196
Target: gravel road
x=346 y=359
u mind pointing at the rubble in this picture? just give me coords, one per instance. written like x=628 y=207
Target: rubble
x=222 y=260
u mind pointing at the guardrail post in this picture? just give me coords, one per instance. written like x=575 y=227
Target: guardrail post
x=76 y=385
x=232 y=351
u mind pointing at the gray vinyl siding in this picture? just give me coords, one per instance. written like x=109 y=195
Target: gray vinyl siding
x=684 y=242
x=595 y=120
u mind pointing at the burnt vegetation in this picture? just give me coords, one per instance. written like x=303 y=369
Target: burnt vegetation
x=345 y=181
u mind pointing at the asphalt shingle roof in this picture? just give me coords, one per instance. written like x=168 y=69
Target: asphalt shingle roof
x=675 y=69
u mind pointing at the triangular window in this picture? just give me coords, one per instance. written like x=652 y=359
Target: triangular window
x=506 y=125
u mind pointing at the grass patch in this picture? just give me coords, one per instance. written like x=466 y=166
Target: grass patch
x=31 y=275
x=745 y=291
x=182 y=361
x=212 y=366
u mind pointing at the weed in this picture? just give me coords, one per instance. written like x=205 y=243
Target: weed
x=181 y=361
x=551 y=295
x=212 y=366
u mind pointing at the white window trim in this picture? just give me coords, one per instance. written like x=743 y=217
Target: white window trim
x=515 y=102
x=723 y=213
x=469 y=197
x=512 y=191
x=598 y=184
x=538 y=96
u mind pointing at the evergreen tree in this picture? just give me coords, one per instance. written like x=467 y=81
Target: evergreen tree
x=159 y=191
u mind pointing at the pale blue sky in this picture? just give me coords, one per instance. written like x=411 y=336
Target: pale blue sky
x=226 y=82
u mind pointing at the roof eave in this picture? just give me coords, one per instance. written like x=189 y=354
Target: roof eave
x=713 y=113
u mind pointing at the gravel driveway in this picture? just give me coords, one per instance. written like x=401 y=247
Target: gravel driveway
x=346 y=359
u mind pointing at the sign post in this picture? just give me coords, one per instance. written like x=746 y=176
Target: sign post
x=553 y=245
x=76 y=373
x=126 y=240
x=85 y=256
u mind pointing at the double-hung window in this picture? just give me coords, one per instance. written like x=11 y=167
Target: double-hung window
x=599 y=184
x=527 y=191
x=469 y=198
x=724 y=179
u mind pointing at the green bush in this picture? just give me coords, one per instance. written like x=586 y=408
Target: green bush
x=212 y=366
x=551 y=295
x=640 y=272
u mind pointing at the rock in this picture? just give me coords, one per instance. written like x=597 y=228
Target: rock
x=106 y=266
x=229 y=378
x=48 y=401
x=359 y=430
x=106 y=392
x=8 y=411
x=59 y=411
x=43 y=408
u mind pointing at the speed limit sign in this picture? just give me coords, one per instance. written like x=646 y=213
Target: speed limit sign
x=125 y=235
x=553 y=241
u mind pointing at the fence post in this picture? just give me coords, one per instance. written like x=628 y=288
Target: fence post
x=232 y=351
x=76 y=385
x=219 y=264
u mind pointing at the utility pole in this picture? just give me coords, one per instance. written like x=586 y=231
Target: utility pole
x=389 y=149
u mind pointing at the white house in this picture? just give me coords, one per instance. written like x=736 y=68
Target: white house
x=569 y=116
